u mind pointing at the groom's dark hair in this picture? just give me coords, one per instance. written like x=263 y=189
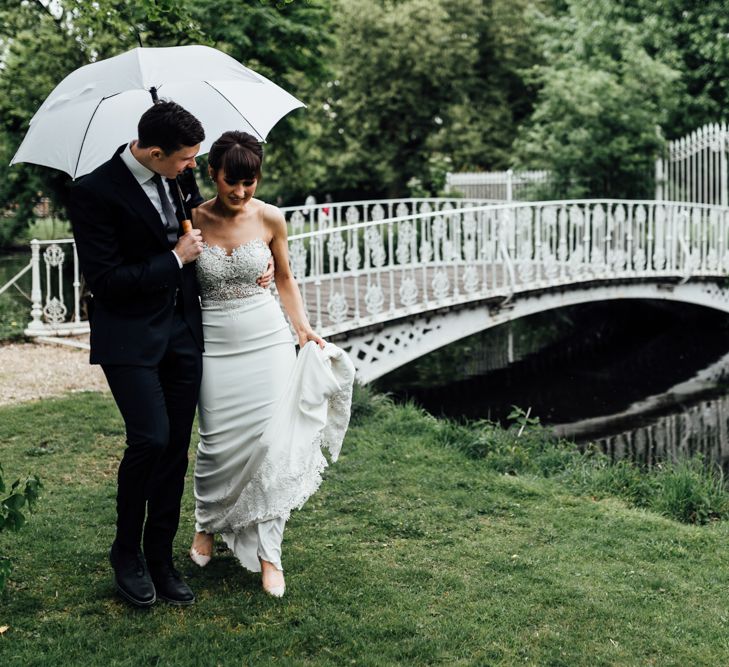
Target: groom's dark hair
x=169 y=126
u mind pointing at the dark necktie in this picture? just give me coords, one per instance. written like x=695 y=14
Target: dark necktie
x=171 y=224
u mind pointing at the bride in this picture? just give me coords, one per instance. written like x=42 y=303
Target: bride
x=259 y=455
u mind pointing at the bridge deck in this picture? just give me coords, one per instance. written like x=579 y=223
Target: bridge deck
x=390 y=280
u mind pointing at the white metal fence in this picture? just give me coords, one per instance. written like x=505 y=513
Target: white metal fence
x=694 y=168
x=499 y=185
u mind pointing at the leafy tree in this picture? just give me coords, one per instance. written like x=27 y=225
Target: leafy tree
x=394 y=65
x=494 y=98
x=601 y=99
x=417 y=85
x=693 y=39
x=285 y=41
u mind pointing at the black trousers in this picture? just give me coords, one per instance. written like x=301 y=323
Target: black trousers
x=158 y=407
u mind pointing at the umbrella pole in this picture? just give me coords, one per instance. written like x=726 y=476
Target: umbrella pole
x=186 y=224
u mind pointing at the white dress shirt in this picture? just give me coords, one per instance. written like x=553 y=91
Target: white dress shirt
x=144 y=178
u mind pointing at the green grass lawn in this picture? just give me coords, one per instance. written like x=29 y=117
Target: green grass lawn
x=411 y=553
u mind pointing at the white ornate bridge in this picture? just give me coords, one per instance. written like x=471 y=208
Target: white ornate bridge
x=392 y=280
x=392 y=287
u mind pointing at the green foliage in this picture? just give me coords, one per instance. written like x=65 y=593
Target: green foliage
x=687 y=491
x=692 y=38
x=366 y=402
x=42 y=43
x=46 y=229
x=417 y=82
x=284 y=41
x=401 y=91
x=522 y=448
x=602 y=97
x=692 y=493
x=14 y=316
x=22 y=494
x=595 y=474
x=493 y=97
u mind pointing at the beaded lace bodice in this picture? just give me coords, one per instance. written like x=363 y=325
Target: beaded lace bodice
x=223 y=277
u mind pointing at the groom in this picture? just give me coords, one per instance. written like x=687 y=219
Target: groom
x=146 y=332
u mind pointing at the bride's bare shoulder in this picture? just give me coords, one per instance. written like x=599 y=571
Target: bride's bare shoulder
x=272 y=215
x=202 y=214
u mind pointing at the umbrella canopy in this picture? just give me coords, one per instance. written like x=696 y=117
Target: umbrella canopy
x=96 y=108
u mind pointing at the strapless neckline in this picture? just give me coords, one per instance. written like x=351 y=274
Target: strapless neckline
x=220 y=250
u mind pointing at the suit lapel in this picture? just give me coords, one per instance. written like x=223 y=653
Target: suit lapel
x=136 y=198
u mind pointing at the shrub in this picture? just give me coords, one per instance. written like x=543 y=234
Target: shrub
x=686 y=491
x=691 y=492
x=595 y=474
x=47 y=229
x=22 y=493
x=14 y=316
x=365 y=402
x=524 y=447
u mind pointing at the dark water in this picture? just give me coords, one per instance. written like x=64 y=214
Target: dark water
x=644 y=379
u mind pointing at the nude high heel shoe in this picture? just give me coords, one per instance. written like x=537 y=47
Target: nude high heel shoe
x=273 y=591
x=199 y=558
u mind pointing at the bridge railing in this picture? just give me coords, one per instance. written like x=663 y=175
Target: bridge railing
x=341 y=213
x=365 y=272
x=362 y=263
x=56 y=289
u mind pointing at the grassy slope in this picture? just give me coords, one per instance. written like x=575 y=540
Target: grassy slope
x=411 y=553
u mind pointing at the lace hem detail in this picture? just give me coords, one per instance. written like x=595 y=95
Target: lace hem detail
x=254 y=504
x=338 y=415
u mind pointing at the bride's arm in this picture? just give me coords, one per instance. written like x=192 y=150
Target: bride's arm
x=287 y=288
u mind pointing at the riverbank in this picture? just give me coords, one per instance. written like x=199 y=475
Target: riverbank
x=418 y=549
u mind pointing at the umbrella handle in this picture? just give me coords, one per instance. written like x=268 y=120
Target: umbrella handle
x=185 y=225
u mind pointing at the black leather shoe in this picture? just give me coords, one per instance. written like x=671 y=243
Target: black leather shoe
x=169 y=584
x=131 y=577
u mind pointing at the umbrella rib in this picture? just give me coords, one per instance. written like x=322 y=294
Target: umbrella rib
x=236 y=109
x=83 y=141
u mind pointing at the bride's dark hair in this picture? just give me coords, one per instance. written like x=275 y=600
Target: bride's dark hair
x=238 y=153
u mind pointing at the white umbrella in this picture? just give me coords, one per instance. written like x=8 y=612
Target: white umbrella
x=96 y=109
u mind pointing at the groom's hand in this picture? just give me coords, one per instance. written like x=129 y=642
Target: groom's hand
x=265 y=280
x=189 y=246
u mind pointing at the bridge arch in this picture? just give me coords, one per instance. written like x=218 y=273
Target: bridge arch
x=379 y=349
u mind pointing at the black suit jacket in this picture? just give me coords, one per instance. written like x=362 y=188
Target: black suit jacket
x=126 y=260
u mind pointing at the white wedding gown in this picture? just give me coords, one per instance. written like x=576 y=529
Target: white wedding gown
x=264 y=415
